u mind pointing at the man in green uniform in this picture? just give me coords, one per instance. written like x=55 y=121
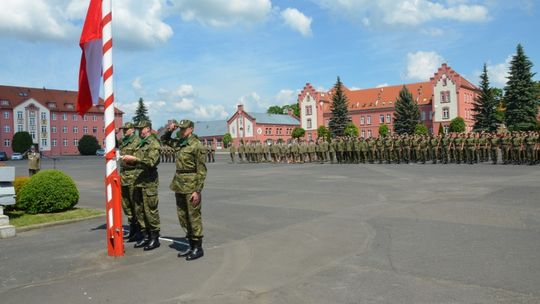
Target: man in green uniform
x=145 y=194
x=128 y=174
x=34 y=161
x=232 y=152
x=459 y=148
x=406 y=143
x=398 y=149
x=494 y=143
x=188 y=183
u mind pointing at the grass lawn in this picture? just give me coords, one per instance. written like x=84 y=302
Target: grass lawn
x=21 y=219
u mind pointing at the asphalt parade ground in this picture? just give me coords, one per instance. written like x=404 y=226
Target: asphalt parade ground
x=306 y=233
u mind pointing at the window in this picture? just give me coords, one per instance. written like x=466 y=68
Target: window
x=381 y=118
x=4 y=102
x=444 y=81
x=44 y=142
x=7 y=143
x=64 y=116
x=363 y=133
x=53 y=116
x=446 y=129
x=309 y=110
x=7 y=129
x=369 y=119
x=19 y=115
x=85 y=118
x=85 y=130
x=76 y=142
x=94 y=118
x=94 y=130
x=268 y=131
x=369 y=133
x=445 y=113
x=75 y=130
x=64 y=129
x=33 y=133
x=445 y=96
x=32 y=114
x=362 y=120
x=65 y=142
x=278 y=131
x=54 y=142
x=289 y=130
x=32 y=121
x=53 y=129
x=43 y=129
x=6 y=115
x=19 y=128
x=309 y=123
x=388 y=118
x=43 y=115
x=423 y=115
x=74 y=117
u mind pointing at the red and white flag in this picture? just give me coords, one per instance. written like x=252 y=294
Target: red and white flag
x=92 y=56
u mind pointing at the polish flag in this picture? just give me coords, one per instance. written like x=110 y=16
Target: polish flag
x=91 y=59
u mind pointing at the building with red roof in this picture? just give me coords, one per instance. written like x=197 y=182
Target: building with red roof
x=445 y=96
x=50 y=118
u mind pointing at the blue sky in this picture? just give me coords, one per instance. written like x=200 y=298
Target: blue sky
x=198 y=59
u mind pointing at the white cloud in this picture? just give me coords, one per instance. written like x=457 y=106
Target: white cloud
x=433 y=32
x=210 y=112
x=497 y=72
x=422 y=65
x=285 y=97
x=136 y=84
x=297 y=21
x=382 y=85
x=405 y=12
x=136 y=24
x=220 y=13
x=253 y=102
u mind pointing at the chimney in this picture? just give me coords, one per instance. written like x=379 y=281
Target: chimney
x=240 y=108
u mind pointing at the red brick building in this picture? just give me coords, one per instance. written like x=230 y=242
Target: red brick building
x=261 y=127
x=50 y=118
x=445 y=96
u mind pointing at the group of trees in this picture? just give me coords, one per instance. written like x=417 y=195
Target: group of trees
x=284 y=109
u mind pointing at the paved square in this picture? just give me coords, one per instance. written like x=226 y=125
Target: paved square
x=302 y=234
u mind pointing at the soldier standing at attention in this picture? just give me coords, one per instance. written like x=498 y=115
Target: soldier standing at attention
x=494 y=143
x=145 y=194
x=188 y=183
x=34 y=161
x=241 y=151
x=128 y=174
x=232 y=151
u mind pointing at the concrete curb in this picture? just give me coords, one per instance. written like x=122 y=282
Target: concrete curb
x=58 y=223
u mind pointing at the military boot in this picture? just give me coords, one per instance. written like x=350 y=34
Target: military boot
x=154 y=241
x=143 y=241
x=188 y=251
x=197 y=251
x=134 y=233
x=131 y=232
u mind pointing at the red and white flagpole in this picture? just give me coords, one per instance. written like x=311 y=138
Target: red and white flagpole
x=115 y=241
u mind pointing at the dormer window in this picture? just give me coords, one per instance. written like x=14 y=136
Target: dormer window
x=69 y=106
x=51 y=105
x=4 y=102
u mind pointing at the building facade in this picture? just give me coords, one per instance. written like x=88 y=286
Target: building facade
x=445 y=96
x=50 y=118
x=211 y=132
x=262 y=127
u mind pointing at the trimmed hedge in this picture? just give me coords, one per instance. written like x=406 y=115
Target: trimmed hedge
x=88 y=145
x=48 y=191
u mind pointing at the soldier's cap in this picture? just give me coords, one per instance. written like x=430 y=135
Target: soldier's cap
x=144 y=124
x=128 y=125
x=185 y=123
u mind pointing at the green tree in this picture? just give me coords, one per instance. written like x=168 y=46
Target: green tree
x=340 y=111
x=520 y=94
x=227 y=139
x=383 y=130
x=485 y=106
x=275 y=110
x=298 y=132
x=350 y=130
x=88 y=145
x=323 y=132
x=295 y=107
x=21 y=142
x=421 y=129
x=457 y=125
x=141 y=113
x=407 y=113
x=441 y=130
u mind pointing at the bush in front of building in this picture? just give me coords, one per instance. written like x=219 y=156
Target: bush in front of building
x=457 y=125
x=323 y=132
x=227 y=139
x=88 y=145
x=48 y=191
x=22 y=141
x=383 y=130
x=298 y=132
x=350 y=130
x=421 y=129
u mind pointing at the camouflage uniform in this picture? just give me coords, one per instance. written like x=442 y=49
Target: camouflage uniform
x=189 y=178
x=34 y=163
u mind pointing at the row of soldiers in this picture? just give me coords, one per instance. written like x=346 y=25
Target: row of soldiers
x=168 y=154
x=514 y=148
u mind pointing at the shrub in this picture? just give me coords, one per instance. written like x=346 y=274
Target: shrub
x=21 y=142
x=421 y=129
x=88 y=145
x=227 y=139
x=383 y=130
x=298 y=132
x=457 y=125
x=48 y=191
x=351 y=130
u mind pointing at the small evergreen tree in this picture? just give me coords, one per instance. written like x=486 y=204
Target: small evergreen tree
x=421 y=129
x=22 y=141
x=457 y=125
x=407 y=113
x=88 y=145
x=520 y=94
x=340 y=111
x=350 y=130
x=298 y=132
x=383 y=130
x=141 y=114
x=485 y=106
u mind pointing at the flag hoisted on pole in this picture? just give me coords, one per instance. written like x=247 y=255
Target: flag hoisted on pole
x=96 y=60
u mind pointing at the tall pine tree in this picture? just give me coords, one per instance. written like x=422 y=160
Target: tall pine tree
x=141 y=114
x=340 y=111
x=485 y=106
x=407 y=113
x=520 y=94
